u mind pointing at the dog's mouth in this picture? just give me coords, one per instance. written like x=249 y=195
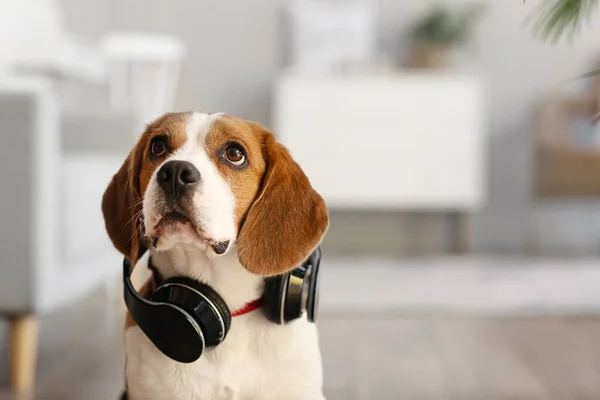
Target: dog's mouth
x=177 y=223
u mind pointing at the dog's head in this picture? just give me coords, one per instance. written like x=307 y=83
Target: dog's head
x=210 y=181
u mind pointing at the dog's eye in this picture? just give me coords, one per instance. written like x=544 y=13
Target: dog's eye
x=158 y=147
x=235 y=155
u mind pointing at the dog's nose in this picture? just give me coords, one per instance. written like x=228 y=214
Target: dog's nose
x=176 y=177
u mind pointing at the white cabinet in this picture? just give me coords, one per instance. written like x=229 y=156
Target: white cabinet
x=413 y=141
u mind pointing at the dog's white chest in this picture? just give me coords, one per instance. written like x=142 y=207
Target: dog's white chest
x=257 y=360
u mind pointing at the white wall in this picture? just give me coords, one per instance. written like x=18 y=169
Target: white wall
x=30 y=31
x=235 y=51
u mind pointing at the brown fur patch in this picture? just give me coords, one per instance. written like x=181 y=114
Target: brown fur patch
x=280 y=217
x=173 y=127
x=122 y=200
x=244 y=182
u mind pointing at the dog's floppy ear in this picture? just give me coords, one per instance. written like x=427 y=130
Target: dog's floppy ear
x=121 y=205
x=287 y=220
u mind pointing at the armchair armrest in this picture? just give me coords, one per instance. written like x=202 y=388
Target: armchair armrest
x=29 y=129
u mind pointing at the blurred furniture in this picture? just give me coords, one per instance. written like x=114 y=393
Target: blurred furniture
x=412 y=142
x=567 y=162
x=142 y=69
x=39 y=41
x=566 y=158
x=143 y=72
x=53 y=244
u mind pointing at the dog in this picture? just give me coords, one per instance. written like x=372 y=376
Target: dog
x=215 y=198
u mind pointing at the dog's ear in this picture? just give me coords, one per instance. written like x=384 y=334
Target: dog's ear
x=287 y=220
x=121 y=207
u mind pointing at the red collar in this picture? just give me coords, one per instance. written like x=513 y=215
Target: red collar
x=249 y=307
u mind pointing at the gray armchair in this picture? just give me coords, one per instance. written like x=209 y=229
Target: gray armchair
x=53 y=247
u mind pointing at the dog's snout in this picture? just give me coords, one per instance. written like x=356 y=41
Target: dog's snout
x=175 y=177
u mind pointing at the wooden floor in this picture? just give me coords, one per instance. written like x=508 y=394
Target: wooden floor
x=382 y=357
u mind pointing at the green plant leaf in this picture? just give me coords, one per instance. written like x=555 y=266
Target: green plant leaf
x=590 y=74
x=557 y=18
x=447 y=27
x=586 y=75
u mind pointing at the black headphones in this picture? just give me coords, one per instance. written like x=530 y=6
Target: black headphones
x=183 y=316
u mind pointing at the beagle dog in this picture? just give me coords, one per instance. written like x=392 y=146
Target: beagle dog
x=214 y=198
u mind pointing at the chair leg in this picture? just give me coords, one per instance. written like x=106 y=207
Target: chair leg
x=23 y=351
x=466 y=232
x=463 y=233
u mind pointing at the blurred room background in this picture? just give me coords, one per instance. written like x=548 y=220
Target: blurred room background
x=456 y=151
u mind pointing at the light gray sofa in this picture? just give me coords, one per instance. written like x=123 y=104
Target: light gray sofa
x=53 y=247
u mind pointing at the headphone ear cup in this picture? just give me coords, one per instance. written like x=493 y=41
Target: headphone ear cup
x=274 y=297
x=213 y=297
x=312 y=301
x=218 y=301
